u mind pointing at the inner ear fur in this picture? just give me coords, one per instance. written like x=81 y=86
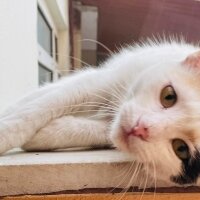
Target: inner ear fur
x=193 y=60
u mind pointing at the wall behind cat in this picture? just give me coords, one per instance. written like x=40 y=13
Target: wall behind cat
x=34 y=46
x=18 y=49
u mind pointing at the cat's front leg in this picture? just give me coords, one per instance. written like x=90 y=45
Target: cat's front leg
x=69 y=131
x=64 y=98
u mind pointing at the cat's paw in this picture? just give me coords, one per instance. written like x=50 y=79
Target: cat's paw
x=5 y=143
x=10 y=135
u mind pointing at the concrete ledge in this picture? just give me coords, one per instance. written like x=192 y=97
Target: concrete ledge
x=47 y=172
x=71 y=172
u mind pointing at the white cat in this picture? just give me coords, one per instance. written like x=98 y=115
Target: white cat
x=144 y=100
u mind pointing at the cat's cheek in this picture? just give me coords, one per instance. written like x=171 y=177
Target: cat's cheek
x=117 y=136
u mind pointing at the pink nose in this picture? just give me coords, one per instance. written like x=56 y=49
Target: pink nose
x=140 y=130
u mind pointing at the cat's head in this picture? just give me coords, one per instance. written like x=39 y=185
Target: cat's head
x=159 y=122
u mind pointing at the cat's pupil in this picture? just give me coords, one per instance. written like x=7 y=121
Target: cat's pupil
x=169 y=97
x=182 y=148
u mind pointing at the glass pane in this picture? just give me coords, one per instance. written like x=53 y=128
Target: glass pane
x=45 y=75
x=44 y=33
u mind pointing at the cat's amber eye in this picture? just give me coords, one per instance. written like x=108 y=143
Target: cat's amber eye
x=181 y=149
x=168 y=96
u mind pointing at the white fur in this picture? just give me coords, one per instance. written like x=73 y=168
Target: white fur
x=89 y=108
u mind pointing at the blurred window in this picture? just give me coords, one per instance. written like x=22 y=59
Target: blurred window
x=44 y=32
x=45 y=75
x=47 y=48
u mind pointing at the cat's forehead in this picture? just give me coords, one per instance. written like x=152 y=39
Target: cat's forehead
x=169 y=74
x=151 y=78
x=154 y=75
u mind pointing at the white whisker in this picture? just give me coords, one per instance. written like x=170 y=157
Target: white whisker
x=155 y=178
x=145 y=184
x=131 y=180
x=100 y=43
x=125 y=175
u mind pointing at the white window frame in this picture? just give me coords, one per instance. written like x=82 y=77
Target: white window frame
x=48 y=61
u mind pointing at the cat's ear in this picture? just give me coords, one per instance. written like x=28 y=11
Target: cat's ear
x=193 y=60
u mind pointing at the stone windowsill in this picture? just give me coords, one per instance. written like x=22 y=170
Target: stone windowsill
x=47 y=172
x=55 y=172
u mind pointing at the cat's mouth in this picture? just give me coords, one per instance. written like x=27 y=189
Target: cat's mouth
x=137 y=132
x=129 y=140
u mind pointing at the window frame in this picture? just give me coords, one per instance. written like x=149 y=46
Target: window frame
x=50 y=71
x=48 y=61
x=50 y=28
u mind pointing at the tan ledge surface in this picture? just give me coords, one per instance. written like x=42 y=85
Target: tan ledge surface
x=66 y=171
x=19 y=157
x=47 y=172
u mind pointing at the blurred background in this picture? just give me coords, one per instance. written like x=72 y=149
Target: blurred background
x=44 y=40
